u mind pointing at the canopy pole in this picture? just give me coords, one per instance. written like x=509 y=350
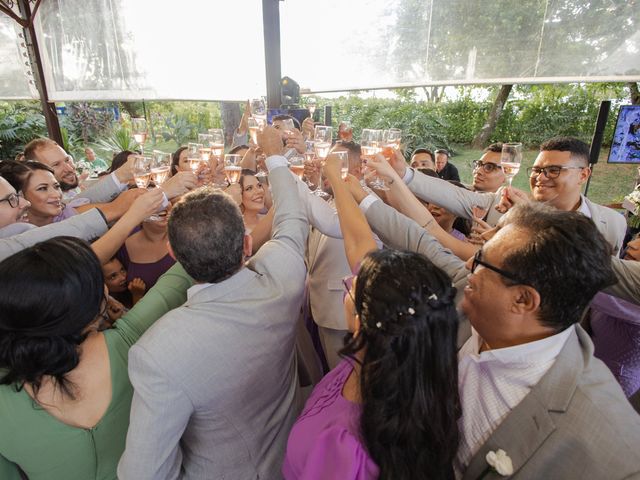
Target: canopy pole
x=48 y=108
x=271 y=28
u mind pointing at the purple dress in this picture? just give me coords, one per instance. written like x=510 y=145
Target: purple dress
x=324 y=442
x=148 y=272
x=615 y=324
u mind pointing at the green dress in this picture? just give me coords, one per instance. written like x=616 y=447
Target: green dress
x=46 y=448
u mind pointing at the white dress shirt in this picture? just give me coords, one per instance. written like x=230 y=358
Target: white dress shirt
x=493 y=382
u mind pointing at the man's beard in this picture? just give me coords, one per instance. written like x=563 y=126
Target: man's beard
x=68 y=186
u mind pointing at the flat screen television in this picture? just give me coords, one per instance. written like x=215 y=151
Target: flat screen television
x=625 y=147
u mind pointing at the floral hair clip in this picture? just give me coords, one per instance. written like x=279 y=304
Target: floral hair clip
x=433 y=296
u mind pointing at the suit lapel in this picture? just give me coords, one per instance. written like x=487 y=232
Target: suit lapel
x=529 y=424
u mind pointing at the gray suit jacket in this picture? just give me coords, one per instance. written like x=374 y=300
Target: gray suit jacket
x=88 y=225
x=216 y=390
x=460 y=202
x=400 y=232
x=628 y=275
x=103 y=191
x=574 y=424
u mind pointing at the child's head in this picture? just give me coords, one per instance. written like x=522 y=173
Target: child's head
x=115 y=276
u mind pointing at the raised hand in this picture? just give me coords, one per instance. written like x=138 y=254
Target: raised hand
x=296 y=140
x=381 y=166
x=125 y=172
x=270 y=140
x=308 y=128
x=511 y=196
x=179 y=184
x=355 y=188
x=137 y=288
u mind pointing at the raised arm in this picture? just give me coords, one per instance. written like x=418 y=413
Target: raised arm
x=147 y=204
x=401 y=198
x=358 y=237
x=87 y=226
x=289 y=222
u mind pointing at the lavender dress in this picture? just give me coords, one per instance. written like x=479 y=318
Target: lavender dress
x=615 y=324
x=324 y=442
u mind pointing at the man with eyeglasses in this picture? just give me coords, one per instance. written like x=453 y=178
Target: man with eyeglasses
x=529 y=383
x=556 y=178
x=487 y=172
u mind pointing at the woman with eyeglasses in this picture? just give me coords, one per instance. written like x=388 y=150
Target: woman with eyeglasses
x=389 y=410
x=64 y=391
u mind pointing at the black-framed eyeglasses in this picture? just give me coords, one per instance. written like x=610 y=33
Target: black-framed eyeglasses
x=552 y=171
x=13 y=199
x=488 y=167
x=477 y=261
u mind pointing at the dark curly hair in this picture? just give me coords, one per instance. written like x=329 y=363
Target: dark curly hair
x=49 y=294
x=409 y=375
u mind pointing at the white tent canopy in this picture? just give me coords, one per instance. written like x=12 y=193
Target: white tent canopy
x=195 y=50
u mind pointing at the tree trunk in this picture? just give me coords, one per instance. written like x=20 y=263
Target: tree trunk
x=487 y=129
x=634 y=92
x=230 y=113
x=134 y=109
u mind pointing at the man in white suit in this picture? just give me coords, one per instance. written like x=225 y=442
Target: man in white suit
x=556 y=178
x=216 y=389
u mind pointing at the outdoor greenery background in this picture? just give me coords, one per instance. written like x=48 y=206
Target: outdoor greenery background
x=533 y=113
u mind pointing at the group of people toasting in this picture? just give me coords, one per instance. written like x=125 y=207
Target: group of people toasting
x=448 y=358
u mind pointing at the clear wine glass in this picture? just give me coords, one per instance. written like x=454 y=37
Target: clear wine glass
x=321 y=145
x=345 y=131
x=216 y=141
x=142 y=171
x=255 y=125
x=344 y=162
x=160 y=167
x=206 y=139
x=296 y=165
x=372 y=144
x=312 y=104
x=139 y=129
x=259 y=109
x=232 y=168
x=510 y=159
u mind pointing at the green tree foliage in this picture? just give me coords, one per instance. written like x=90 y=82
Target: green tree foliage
x=20 y=122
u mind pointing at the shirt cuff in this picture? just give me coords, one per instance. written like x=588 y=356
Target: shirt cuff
x=367 y=202
x=275 y=161
x=408 y=175
x=121 y=186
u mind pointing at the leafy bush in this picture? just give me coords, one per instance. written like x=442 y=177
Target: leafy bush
x=20 y=122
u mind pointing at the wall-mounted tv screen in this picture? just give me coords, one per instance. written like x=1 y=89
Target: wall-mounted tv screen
x=625 y=147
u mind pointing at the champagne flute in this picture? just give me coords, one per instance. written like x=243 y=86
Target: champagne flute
x=287 y=126
x=160 y=167
x=296 y=165
x=259 y=109
x=232 y=168
x=139 y=128
x=344 y=162
x=321 y=145
x=141 y=171
x=194 y=160
x=322 y=141
x=206 y=139
x=510 y=159
x=255 y=125
x=312 y=103
x=216 y=141
x=345 y=131
x=374 y=143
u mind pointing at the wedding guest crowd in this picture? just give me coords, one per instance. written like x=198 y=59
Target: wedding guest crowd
x=315 y=326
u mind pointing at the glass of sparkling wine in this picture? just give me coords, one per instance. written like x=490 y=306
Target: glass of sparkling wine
x=142 y=171
x=194 y=160
x=160 y=167
x=312 y=103
x=372 y=143
x=344 y=162
x=255 y=125
x=139 y=129
x=259 y=109
x=296 y=165
x=216 y=141
x=232 y=168
x=510 y=159
x=205 y=139
x=322 y=141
